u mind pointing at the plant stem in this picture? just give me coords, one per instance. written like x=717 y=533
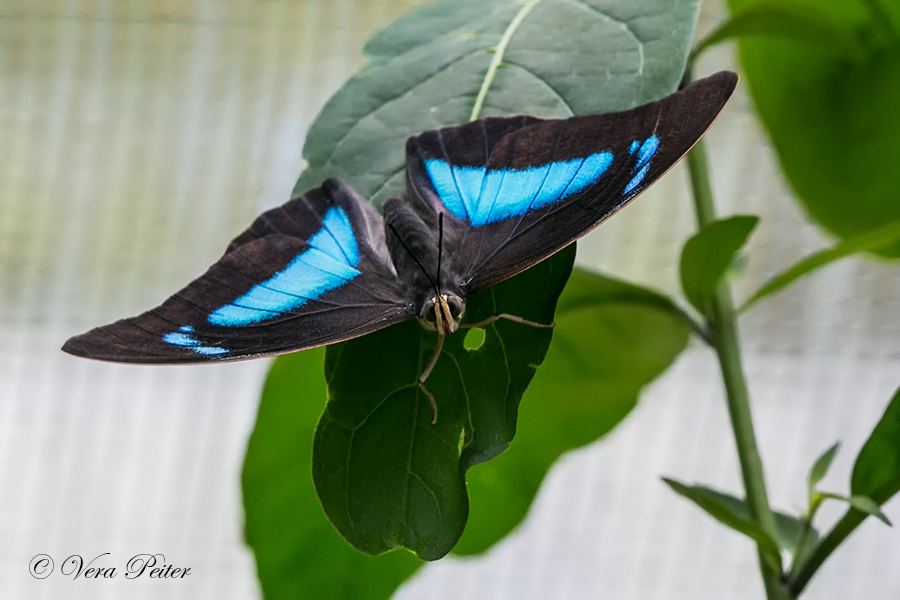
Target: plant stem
x=851 y=520
x=797 y=560
x=697 y=326
x=723 y=327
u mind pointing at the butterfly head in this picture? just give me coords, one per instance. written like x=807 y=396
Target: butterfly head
x=443 y=313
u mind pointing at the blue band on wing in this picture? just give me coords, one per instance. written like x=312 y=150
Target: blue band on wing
x=458 y=187
x=645 y=152
x=184 y=339
x=326 y=265
x=484 y=197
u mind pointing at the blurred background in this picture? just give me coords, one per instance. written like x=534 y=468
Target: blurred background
x=138 y=137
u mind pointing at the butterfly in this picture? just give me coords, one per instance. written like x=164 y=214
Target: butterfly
x=484 y=201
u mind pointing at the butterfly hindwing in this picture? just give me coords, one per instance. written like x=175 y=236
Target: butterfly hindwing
x=529 y=187
x=311 y=272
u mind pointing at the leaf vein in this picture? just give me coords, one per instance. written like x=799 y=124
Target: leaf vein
x=544 y=83
x=387 y=181
x=380 y=404
x=462 y=380
x=437 y=504
x=499 y=51
x=623 y=25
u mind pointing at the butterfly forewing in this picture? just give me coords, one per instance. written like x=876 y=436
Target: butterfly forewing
x=543 y=184
x=311 y=272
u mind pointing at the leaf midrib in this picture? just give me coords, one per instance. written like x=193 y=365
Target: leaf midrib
x=499 y=51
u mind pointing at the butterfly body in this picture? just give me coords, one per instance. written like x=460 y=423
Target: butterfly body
x=484 y=201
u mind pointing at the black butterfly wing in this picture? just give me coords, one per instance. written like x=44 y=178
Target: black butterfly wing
x=311 y=272
x=514 y=191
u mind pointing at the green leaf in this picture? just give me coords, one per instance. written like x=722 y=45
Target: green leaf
x=870 y=507
x=388 y=478
x=385 y=479
x=876 y=473
x=788 y=527
x=796 y=21
x=298 y=552
x=863 y=504
x=631 y=335
x=707 y=256
x=869 y=241
x=834 y=121
x=724 y=512
x=611 y=339
x=429 y=67
x=821 y=466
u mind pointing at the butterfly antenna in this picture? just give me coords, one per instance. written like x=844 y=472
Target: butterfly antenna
x=440 y=244
x=405 y=247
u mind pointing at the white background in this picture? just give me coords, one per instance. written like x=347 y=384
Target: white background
x=137 y=138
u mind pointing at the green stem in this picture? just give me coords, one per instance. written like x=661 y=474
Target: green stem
x=699 y=328
x=815 y=502
x=824 y=548
x=498 y=56
x=723 y=326
x=800 y=548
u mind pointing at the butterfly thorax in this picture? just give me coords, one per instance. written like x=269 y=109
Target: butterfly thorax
x=427 y=270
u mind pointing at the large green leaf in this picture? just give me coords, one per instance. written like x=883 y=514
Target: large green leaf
x=563 y=58
x=298 y=552
x=385 y=478
x=611 y=339
x=789 y=19
x=834 y=120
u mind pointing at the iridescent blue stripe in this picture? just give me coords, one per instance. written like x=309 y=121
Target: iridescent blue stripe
x=644 y=154
x=328 y=264
x=184 y=339
x=481 y=198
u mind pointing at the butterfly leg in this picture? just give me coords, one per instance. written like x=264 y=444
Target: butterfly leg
x=499 y=316
x=425 y=374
